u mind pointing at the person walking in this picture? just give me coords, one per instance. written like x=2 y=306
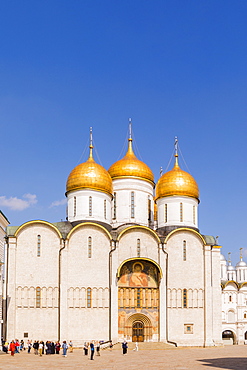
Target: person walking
x=12 y=348
x=70 y=346
x=98 y=348
x=136 y=347
x=57 y=347
x=65 y=348
x=29 y=346
x=124 y=347
x=40 y=348
x=85 y=348
x=92 y=350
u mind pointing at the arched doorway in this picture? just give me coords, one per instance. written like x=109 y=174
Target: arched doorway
x=229 y=337
x=138 y=331
x=138 y=300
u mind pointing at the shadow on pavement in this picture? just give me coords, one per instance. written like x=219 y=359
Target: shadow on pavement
x=229 y=363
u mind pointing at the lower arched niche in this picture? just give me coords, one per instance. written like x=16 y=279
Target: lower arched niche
x=138 y=301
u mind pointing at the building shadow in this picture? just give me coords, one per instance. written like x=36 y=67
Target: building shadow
x=228 y=363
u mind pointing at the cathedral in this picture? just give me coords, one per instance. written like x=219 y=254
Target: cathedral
x=128 y=263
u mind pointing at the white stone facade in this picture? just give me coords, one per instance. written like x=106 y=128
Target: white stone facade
x=113 y=274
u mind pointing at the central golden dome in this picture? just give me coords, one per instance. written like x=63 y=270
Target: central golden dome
x=130 y=166
x=89 y=175
x=177 y=182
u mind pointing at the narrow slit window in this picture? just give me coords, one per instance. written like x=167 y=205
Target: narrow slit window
x=89 y=297
x=114 y=206
x=138 y=247
x=185 y=298
x=89 y=247
x=38 y=297
x=74 y=206
x=38 y=245
x=105 y=209
x=184 y=250
x=90 y=206
x=165 y=213
x=181 y=212
x=194 y=215
x=132 y=204
x=149 y=209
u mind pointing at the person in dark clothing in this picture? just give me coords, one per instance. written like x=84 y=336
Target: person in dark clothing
x=124 y=347
x=85 y=349
x=92 y=350
x=52 y=348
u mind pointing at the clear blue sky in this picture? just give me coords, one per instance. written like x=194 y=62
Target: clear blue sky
x=177 y=68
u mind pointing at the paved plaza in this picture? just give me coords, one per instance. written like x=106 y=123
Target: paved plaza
x=229 y=357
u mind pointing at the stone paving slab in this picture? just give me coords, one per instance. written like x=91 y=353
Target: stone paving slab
x=228 y=358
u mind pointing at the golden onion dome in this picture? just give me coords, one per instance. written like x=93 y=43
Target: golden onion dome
x=89 y=175
x=131 y=166
x=177 y=182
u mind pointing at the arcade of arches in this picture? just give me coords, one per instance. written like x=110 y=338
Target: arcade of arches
x=138 y=301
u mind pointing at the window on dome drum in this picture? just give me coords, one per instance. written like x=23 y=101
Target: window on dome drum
x=184 y=250
x=149 y=209
x=114 y=206
x=38 y=297
x=181 y=212
x=89 y=247
x=90 y=206
x=89 y=297
x=165 y=212
x=185 y=298
x=138 y=247
x=132 y=204
x=74 y=206
x=245 y=315
x=230 y=298
x=38 y=245
x=105 y=209
x=194 y=215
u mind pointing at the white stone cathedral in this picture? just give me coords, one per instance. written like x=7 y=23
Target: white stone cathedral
x=129 y=262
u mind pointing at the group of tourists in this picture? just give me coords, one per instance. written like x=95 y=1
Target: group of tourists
x=40 y=347
x=50 y=348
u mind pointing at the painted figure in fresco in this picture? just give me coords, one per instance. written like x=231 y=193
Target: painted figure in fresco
x=138 y=277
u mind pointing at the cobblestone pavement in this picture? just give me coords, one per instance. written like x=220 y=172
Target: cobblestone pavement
x=229 y=358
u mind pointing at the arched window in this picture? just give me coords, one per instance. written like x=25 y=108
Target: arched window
x=74 y=206
x=165 y=212
x=132 y=204
x=184 y=250
x=89 y=247
x=105 y=209
x=181 y=212
x=90 y=206
x=38 y=297
x=230 y=298
x=89 y=297
x=185 y=298
x=114 y=206
x=138 y=247
x=38 y=245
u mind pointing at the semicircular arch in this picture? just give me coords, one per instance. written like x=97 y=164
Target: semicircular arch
x=185 y=229
x=26 y=224
x=139 y=259
x=132 y=227
x=84 y=224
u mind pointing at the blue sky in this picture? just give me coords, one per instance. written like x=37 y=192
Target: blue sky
x=177 y=68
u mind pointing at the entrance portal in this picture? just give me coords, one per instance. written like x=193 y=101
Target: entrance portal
x=138 y=331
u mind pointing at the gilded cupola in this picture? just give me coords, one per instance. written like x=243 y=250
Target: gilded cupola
x=89 y=175
x=177 y=183
x=131 y=166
